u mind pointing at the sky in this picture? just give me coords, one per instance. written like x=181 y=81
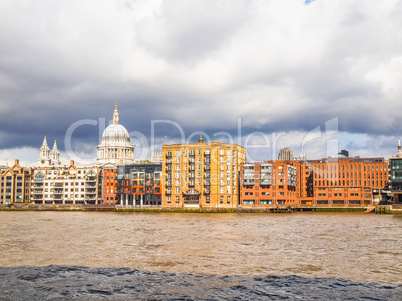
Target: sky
x=315 y=76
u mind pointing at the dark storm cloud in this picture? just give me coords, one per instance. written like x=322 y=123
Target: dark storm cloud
x=279 y=66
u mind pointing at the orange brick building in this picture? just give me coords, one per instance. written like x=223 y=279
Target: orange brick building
x=109 y=174
x=329 y=182
x=344 y=182
x=269 y=184
x=202 y=174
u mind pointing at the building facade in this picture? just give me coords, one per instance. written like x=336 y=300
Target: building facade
x=395 y=174
x=285 y=154
x=49 y=157
x=202 y=174
x=343 y=182
x=66 y=185
x=269 y=184
x=115 y=147
x=15 y=184
x=109 y=180
x=139 y=185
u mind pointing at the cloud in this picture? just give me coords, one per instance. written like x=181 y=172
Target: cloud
x=277 y=65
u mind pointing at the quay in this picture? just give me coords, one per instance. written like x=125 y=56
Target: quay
x=380 y=209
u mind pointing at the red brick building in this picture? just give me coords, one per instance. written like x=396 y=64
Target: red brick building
x=269 y=184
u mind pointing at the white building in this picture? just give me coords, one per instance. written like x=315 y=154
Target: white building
x=49 y=157
x=115 y=147
x=65 y=185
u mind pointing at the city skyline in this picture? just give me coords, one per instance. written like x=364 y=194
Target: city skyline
x=278 y=67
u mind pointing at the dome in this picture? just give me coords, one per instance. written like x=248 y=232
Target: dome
x=115 y=131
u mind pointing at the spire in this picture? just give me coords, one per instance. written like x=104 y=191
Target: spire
x=116 y=119
x=44 y=142
x=55 y=146
x=399 y=153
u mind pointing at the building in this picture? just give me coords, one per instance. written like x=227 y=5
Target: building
x=344 y=153
x=109 y=179
x=49 y=157
x=115 y=147
x=66 y=185
x=201 y=174
x=395 y=173
x=285 y=154
x=269 y=184
x=343 y=182
x=139 y=184
x=15 y=184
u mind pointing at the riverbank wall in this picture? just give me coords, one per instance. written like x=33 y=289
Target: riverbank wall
x=118 y=208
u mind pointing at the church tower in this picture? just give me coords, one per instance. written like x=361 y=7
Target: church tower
x=55 y=155
x=44 y=158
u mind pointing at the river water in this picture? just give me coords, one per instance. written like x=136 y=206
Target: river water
x=85 y=255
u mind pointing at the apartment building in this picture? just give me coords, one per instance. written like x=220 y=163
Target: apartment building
x=139 y=184
x=66 y=185
x=269 y=184
x=15 y=184
x=343 y=182
x=201 y=174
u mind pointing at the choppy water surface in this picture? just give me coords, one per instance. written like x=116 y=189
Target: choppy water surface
x=202 y=255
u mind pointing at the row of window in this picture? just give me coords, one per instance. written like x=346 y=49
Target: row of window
x=330 y=167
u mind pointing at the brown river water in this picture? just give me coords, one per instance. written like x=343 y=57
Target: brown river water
x=363 y=248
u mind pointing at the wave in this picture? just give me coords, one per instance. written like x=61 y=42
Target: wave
x=76 y=283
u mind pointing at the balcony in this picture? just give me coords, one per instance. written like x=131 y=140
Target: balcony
x=207 y=192
x=58 y=191
x=37 y=191
x=90 y=190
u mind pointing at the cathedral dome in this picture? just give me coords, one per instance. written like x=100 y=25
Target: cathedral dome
x=115 y=147
x=115 y=131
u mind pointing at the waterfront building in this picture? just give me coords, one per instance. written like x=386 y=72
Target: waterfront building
x=66 y=185
x=108 y=180
x=49 y=157
x=269 y=184
x=15 y=184
x=115 y=146
x=285 y=154
x=343 y=182
x=139 y=184
x=395 y=164
x=202 y=174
